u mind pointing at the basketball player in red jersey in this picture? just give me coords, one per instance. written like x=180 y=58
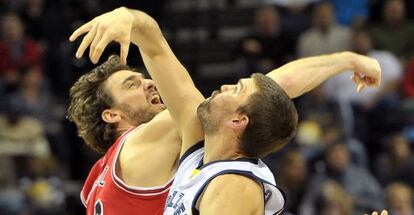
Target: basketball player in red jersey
x=114 y=102
x=111 y=106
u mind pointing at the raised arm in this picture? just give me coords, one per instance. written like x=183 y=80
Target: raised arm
x=303 y=75
x=172 y=79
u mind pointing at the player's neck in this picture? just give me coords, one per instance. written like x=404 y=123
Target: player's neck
x=219 y=147
x=123 y=126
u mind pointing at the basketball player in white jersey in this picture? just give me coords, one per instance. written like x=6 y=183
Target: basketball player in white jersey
x=225 y=131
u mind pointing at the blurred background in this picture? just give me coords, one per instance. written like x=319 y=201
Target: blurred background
x=353 y=152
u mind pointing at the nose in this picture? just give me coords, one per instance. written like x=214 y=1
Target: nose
x=149 y=84
x=224 y=88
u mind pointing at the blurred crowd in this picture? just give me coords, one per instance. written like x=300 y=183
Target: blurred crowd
x=353 y=153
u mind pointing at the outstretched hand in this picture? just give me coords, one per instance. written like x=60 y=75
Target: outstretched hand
x=383 y=212
x=112 y=26
x=367 y=72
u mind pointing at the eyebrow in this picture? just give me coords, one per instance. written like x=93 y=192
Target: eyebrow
x=130 y=78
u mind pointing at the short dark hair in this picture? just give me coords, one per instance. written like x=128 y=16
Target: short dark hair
x=272 y=116
x=88 y=99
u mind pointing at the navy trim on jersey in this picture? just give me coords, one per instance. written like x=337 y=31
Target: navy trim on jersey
x=189 y=151
x=232 y=171
x=284 y=198
x=250 y=160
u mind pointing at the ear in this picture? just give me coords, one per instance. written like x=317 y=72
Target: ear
x=239 y=122
x=110 y=116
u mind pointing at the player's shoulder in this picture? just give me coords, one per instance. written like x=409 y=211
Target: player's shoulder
x=226 y=191
x=235 y=183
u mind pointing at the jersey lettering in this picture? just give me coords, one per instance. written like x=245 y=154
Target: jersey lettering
x=176 y=202
x=180 y=210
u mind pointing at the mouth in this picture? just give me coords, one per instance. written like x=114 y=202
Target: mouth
x=155 y=99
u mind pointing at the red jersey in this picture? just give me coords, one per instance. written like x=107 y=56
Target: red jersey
x=104 y=193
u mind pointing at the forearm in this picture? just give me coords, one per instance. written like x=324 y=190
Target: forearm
x=303 y=75
x=172 y=80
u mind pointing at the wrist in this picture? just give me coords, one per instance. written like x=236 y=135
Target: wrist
x=349 y=60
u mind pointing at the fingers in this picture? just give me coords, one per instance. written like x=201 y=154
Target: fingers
x=360 y=87
x=81 y=30
x=124 y=52
x=98 y=50
x=360 y=82
x=94 y=46
x=383 y=212
x=85 y=42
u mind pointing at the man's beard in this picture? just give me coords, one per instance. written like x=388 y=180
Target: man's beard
x=209 y=123
x=143 y=115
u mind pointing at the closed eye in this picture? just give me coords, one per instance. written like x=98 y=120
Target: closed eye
x=131 y=81
x=132 y=84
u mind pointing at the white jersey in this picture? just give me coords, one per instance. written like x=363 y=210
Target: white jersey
x=193 y=177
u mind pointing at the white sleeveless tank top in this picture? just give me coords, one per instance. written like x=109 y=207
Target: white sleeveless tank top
x=193 y=177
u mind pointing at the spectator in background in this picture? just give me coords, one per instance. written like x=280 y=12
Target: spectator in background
x=293 y=179
x=269 y=46
x=313 y=145
x=408 y=84
x=399 y=199
x=33 y=94
x=390 y=75
x=323 y=123
x=367 y=107
x=35 y=99
x=288 y=3
x=295 y=16
x=325 y=36
x=394 y=34
x=333 y=200
x=16 y=50
x=350 y=12
x=397 y=163
x=318 y=106
x=22 y=139
x=40 y=16
x=357 y=182
x=36 y=24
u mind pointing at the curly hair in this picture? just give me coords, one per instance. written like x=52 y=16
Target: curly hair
x=88 y=99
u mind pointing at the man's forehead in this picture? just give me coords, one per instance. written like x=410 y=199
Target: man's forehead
x=123 y=74
x=117 y=79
